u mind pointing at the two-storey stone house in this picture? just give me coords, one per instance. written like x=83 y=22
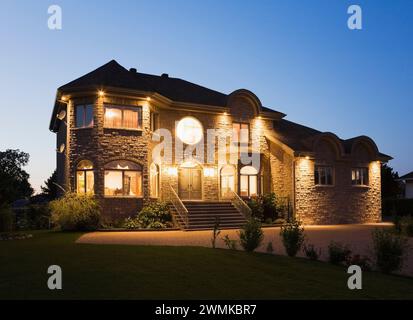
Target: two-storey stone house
x=107 y=124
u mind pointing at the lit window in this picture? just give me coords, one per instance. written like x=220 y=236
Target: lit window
x=189 y=130
x=360 y=177
x=227 y=181
x=123 y=117
x=84 y=116
x=248 y=181
x=240 y=133
x=123 y=178
x=84 y=177
x=323 y=175
x=154 y=180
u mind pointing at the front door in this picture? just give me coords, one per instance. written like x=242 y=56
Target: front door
x=190 y=183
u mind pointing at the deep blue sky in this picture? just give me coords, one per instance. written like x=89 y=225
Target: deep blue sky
x=299 y=57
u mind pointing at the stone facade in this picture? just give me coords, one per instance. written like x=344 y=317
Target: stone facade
x=287 y=159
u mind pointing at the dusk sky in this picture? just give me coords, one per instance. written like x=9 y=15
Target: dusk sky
x=298 y=57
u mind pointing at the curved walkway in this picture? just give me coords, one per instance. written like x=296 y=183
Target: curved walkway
x=358 y=237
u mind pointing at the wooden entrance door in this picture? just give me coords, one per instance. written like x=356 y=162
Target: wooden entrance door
x=190 y=183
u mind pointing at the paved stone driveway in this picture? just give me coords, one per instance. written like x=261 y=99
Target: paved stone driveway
x=358 y=237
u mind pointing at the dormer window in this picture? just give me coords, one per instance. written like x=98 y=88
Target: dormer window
x=84 y=116
x=121 y=117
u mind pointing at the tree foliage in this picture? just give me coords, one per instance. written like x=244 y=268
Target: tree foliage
x=51 y=190
x=390 y=187
x=14 y=181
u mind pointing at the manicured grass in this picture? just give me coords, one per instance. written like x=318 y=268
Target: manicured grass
x=139 y=272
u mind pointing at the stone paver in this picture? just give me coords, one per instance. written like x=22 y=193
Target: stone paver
x=358 y=237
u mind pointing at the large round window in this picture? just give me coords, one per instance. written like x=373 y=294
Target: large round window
x=189 y=130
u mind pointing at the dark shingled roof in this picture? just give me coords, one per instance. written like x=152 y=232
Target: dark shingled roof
x=408 y=176
x=113 y=74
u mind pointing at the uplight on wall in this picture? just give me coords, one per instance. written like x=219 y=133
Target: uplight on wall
x=101 y=93
x=209 y=172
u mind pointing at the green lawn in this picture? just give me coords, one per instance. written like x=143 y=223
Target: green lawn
x=139 y=272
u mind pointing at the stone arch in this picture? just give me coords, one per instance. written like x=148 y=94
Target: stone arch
x=328 y=146
x=243 y=103
x=364 y=149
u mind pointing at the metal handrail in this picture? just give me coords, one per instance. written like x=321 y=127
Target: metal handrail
x=179 y=207
x=240 y=204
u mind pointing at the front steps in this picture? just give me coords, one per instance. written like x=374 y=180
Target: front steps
x=202 y=215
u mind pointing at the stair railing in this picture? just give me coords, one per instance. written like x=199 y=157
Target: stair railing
x=179 y=207
x=240 y=205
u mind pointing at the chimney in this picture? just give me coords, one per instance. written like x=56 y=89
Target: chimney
x=133 y=70
x=165 y=75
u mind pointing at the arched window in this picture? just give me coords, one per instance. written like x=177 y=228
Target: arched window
x=154 y=180
x=84 y=177
x=248 y=181
x=227 y=181
x=123 y=178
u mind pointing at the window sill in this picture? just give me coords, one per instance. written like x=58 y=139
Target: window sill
x=360 y=186
x=123 y=129
x=123 y=197
x=82 y=128
x=325 y=185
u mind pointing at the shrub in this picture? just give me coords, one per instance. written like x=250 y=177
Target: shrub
x=269 y=206
x=39 y=216
x=390 y=250
x=338 y=253
x=6 y=218
x=155 y=215
x=74 y=212
x=251 y=235
x=362 y=261
x=292 y=235
x=131 y=223
x=280 y=221
x=311 y=252
x=257 y=210
x=230 y=243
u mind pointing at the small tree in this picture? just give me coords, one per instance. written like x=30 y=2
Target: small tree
x=251 y=235
x=51 y=190
x=292 y=234
x=215 y=232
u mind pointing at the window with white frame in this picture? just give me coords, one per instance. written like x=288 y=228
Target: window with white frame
x=360 y=176
x=323 y=175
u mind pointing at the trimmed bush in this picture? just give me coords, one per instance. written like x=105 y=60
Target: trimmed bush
x=257 y=210
x=6 y=218
x=251 y=235
x=74 y=212
x=292 y=235
x=390 y=250
x=269 y=206
x=338 y=253
x=155 y=215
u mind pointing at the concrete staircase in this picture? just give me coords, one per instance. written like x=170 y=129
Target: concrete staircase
x=202 y=215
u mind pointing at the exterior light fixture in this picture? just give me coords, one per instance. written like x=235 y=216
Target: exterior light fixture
x=148 y=98
x=172 y=171
x=307 y=157
x=64 y=98
x=101 y=93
